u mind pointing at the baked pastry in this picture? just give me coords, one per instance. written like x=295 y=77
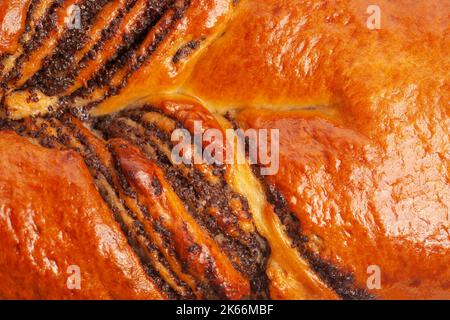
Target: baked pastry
x=93 y=91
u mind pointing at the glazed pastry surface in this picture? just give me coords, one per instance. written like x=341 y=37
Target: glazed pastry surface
x=52 y=218
x=87 y=177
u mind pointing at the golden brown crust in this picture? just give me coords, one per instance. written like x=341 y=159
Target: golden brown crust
x=13 y=15
x=365 y=169
x=53 y=219
x=295 y=53
x=364 y=159
x=358 y=209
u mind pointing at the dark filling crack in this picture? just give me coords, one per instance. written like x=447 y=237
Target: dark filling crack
x=215 y=207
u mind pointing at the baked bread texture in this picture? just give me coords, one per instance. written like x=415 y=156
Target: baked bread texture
x=93 y=204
